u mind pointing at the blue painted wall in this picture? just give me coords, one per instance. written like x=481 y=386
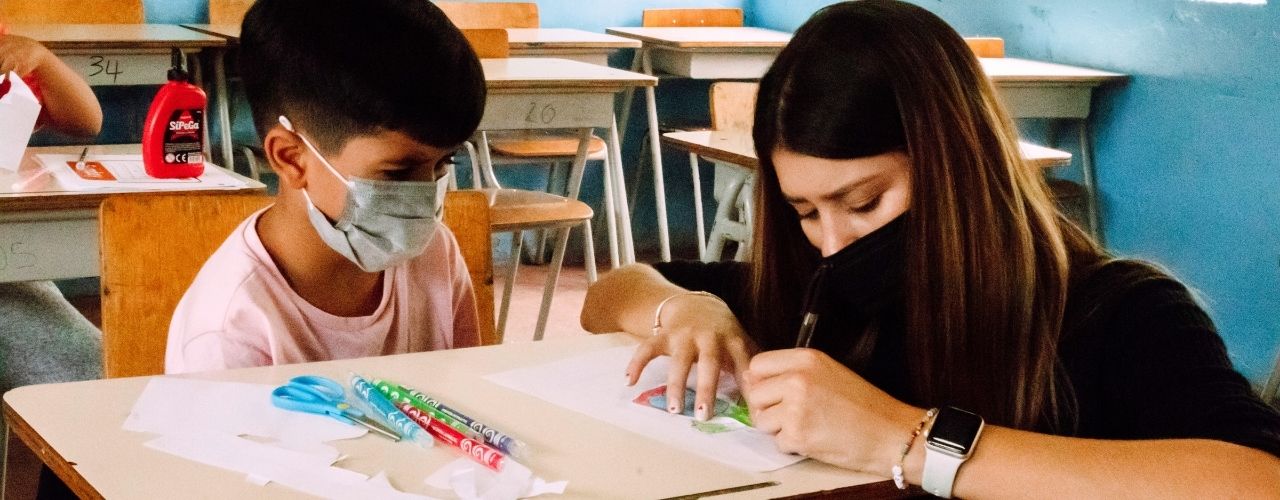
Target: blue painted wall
x=1187 y=153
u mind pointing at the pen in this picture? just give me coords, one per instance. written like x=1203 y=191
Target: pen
x=811 y=305
x=389 y=413
x=80 y=162
x=491 y=436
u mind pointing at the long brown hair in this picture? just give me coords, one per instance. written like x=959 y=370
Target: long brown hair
x=988 y=254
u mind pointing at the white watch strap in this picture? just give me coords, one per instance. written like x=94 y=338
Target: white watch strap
x=940 y=472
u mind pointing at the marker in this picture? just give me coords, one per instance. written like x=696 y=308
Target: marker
x=492 y=437
x=478 y=451
x=397 y=395
x=389 y=413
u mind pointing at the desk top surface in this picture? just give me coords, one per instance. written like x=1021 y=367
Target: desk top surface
x=116 y=36
x=738 y=148
x=519 y=38
x=565 y=38
x=706 y=38
x=598 y=459
x=1011 y=69
x=540 y=72
x=47 y=193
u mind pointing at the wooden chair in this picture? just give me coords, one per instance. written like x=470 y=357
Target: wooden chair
x=482 y=15
x=523 y=147
x=153 y=246
x=515 y=211
x=71 y=12
x=685 y=18
x=986 y=46
x=228 y=11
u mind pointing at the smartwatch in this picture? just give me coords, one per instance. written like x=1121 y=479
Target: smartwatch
x=948 y=443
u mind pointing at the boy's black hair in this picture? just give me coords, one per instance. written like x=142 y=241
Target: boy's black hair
x=341 y=68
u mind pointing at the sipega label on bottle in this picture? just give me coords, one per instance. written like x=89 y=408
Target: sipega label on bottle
x=184 y=137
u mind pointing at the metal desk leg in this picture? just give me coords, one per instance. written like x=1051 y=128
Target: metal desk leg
x=224 y=107
x=629 y=95
x=1090 y=186
x=659 y=189
x=620 y=197
x=696 y=174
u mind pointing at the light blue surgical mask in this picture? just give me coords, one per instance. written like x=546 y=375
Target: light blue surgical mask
x=384 y=223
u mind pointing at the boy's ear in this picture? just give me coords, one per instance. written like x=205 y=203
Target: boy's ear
x=285 y=153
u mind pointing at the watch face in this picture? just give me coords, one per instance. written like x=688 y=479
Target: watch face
x=954 y=431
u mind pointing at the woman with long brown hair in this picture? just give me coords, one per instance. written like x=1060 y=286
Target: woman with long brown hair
x=906 y=258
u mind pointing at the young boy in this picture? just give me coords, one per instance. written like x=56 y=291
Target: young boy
x=360 y=105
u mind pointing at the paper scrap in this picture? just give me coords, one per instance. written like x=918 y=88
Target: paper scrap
x=19 y=110
x=171 y=405
x=591 y=384
x=470 y=481
x=288 y=468
x=116 y=171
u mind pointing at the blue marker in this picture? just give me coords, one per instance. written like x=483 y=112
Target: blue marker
x=389 y=413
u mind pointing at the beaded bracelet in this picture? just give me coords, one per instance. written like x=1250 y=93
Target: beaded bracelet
x=657 y=313
x=898 y=479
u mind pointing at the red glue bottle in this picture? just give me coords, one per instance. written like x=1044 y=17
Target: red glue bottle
x=173 y=135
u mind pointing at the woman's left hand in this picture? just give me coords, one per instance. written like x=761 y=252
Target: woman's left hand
x=816 y=407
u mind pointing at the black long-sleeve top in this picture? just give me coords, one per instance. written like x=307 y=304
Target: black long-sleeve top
x=1142 y=358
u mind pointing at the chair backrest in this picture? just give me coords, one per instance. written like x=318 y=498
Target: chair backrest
x=467 y=215
x=71 y=12
x=488 y=43
x=228 y=11
x=152 y=248
x=490 y=15
x=733 y=105
x=687 y=18
x=986 y=46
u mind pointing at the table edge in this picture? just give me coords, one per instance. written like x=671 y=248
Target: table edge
x=47 y=454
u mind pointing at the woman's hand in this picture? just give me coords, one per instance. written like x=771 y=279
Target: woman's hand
x=695 y=329
x=21 y=55
x=816 y=407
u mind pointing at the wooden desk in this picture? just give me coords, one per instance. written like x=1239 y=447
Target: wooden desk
x=135 y=54
x=565 y=43
x=50 y=232
x=545 y=93
x=737 y=148
x=734 y=156
x=119 y=54
x=76 y=429
x=709 y=53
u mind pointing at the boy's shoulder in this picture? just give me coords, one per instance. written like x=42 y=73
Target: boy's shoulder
x=235 y=274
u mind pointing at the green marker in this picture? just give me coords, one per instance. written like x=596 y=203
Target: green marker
x=399 y=396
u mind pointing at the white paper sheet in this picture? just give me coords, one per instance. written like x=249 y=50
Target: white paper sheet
x=592 y=384
x=473 y=482
x=129 y=172
x=262 y=463
x=19 y=110
x=180 y=406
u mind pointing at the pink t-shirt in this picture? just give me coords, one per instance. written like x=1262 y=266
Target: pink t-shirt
x=240 y=311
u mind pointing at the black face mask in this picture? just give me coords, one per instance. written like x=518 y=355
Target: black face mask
x=859 y=279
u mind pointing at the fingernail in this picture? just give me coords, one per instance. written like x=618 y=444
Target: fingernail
x=701 y=413
x=673 y=409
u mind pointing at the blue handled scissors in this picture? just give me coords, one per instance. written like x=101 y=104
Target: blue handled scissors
x=323 y=396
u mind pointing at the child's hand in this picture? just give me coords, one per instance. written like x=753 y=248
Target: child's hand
x=22 y=55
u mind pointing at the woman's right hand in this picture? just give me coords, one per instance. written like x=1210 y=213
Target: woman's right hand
x=695 y=329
